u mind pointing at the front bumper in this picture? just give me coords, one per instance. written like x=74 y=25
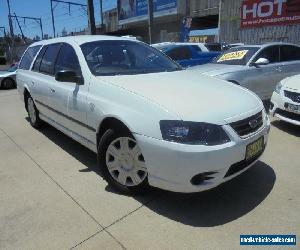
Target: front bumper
x=171 y=166
x=278 y=109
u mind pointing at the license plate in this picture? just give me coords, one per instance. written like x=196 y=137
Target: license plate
x=293 y=108
x=255 y=148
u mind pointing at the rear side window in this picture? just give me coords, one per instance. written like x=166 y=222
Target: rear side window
x=28 y=57
x=289 y=53
x=67 y=59
x=48 y=61
x=180 y=53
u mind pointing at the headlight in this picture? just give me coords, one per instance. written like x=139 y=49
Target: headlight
x=195 y=133
x=278 y=88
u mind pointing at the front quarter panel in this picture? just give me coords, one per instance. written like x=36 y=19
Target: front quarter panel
x=139 y=114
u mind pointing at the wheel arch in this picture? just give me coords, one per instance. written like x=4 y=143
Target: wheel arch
x=111 y=122
x=26 y=94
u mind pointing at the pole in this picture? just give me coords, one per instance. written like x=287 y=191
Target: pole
x=53 y=25
x=12 y=47
x=101 y=12
x=20 y=27
x=150 y=20
x=91 y=17
x=41 y=26
x=219 y=22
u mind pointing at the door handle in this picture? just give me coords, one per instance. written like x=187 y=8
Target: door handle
x=52 y=90
x=32 y=82
x=279 y=69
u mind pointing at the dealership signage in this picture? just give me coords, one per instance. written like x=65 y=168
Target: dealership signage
x=137 y=10
x=257 y=13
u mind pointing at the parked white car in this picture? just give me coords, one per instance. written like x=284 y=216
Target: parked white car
x=285 y=101
x=149 y=121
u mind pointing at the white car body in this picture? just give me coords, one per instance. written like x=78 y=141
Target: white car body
x=141 y=102
x=285 y=101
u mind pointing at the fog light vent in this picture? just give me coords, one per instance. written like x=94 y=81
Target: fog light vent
x=200 y=178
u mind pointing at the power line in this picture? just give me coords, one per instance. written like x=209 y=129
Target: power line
x=63 y=2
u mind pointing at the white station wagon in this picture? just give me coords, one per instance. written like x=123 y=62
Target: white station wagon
x=149 y=121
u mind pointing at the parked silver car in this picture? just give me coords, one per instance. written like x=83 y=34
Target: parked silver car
x=8 y=78
x=256 y=67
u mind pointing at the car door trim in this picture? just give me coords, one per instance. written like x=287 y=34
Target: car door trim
x=66 y=116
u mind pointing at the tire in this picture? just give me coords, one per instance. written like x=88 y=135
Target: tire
x=33 y=113
x=123 y=167
x=8 y=83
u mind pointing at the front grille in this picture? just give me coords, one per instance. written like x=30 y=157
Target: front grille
x=295 y=97
x=244 y=128
x=239 y=166
x=292 y=116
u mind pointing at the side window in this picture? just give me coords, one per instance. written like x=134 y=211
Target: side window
x=197 y=48
x=180 y=53
x=67 y=59
x=37 y=63
x=270 y=53
x=289 y=53
x=47 y=63
x=28 y=57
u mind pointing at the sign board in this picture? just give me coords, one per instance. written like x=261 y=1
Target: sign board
x=137 y=10
x=258 y=13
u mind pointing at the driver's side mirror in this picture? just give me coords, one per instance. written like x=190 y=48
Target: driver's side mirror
x=69 y=76
x=261 y=61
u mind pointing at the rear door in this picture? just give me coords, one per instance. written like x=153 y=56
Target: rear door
x=290 y=60
x=43 y=79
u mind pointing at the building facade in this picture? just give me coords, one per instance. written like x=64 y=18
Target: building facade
x=251 y=23
x=245 y=21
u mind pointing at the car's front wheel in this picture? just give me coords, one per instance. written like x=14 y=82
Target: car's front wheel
x=123 y=165
x=33 y=113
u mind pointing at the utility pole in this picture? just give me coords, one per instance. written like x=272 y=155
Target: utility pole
x=150 y=20
x=38 y=20
x=69 y=4
x=20 y=27
x=11 y=29
x=53 y=24
x=219 y=22
x=101 y=12
x=91 y=20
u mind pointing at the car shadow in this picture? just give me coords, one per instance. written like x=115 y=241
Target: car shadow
x=287 y=127
x=218 y=206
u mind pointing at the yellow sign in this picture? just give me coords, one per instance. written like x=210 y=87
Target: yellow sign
x=198 y=39
x=237 y=55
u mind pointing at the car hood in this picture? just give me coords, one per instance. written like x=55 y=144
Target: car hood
x=190 y=96
x=292 y=83
x=214 y=69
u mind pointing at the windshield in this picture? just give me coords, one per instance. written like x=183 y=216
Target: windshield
x=236 y=56
x=125 y=58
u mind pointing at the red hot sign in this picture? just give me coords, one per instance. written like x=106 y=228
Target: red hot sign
x=257 y=13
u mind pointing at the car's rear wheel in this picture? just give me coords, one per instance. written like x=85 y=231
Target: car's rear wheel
x=123 y=165
x=33 y=113
x=8 y=83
